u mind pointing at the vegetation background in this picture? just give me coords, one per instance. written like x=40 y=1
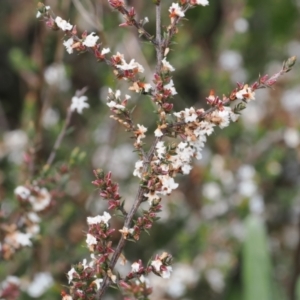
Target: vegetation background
x=233 y=225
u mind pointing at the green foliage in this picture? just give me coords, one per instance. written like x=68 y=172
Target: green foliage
x=256 y=262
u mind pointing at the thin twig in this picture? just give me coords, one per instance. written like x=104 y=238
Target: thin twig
x=59 y=138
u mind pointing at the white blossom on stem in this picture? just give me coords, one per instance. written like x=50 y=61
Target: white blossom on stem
x=91 y=40
x=98 y=219
x=68 y=44
x=78 y=103
x=63 y=24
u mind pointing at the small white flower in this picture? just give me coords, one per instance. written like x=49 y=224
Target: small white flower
x=151 y=197
x=160 y=149
x=105 y=51
x=170 y=87
x=199 y=2
x=68 y=44
x=70 y=274
x=167 y=66
x=158 y=132
x=168 y=184
x=22 y=192
x=135 y=267
x=113 y=104
x=98 y=282
x=40 y=199
x=156 y=264
x=132 y=65
x=167 y=272
x=90 y=240
x=98 y=219
x=176 y=10
x=91 y=40
x=63 y=24
x=118 y=94
x=78 y=103
x=246 y=93
x=138 y=168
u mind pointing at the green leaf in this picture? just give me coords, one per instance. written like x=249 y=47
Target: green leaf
x=256 y=268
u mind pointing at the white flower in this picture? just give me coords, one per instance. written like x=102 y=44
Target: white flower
x=166 y=273
x=222 y=117
x=40 y=199
x=138 y=168
x=132 y=65
x=68 y=44
x=168 y=184
x=158 y=132
x=170 y=87
x=140 y=133
x=113 y=104
x=90 y=240
x=245 y=93
x=156 y=264
x=63 y=24
x=152 y=197
x=176 y=10
x=40 y=284
x=105 y=51
x=78 y=103
x=167 y=66
x=135 y=267
x=199 y=2
x=91 y=40
x=98 y=282
x=70 y=274
x=160 y=149
x=98 y=219
x=22 y=192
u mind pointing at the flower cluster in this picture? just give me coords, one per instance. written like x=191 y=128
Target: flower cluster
x=179 y=138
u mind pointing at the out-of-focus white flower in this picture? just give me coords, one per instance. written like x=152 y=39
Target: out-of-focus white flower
x=78 y=103
x=40 y=199
x=98 y=219
x=140 y=133
x=91 y=40
x=291 y=137
x=199 y=2
x=50 y=118
x=17 y=239
x=22 y=192
x=215 y=279
x=241 y=25
x=10 y=280
x=55 y=75
x=39 y=14
x=40 y=284
x=63 y=24
x=135 y=267
x=68 y=44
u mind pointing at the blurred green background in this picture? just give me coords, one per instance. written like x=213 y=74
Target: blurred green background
x=233 y=225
